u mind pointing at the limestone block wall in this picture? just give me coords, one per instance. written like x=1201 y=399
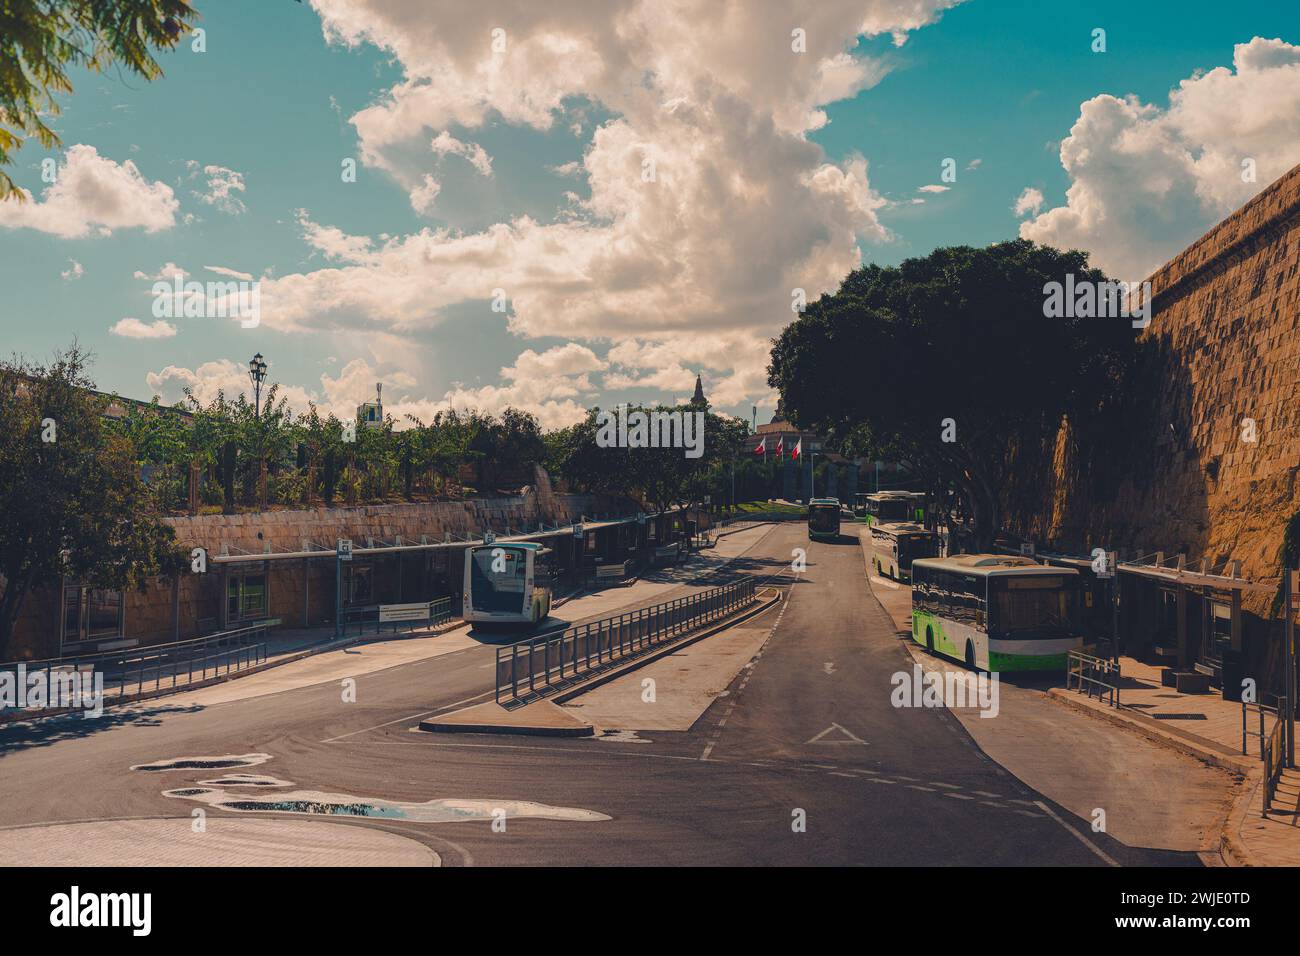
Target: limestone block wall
x=1223 y=346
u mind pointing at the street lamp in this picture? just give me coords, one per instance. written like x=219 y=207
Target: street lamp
x=257 y=375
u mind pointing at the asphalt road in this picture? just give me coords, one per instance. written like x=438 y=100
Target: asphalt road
x=807 y=731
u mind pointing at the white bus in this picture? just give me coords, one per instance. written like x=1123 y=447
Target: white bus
x=896 y=544
x=996 y=612
x=507 y=584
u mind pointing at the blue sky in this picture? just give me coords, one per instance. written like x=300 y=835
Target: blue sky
x=618 y=289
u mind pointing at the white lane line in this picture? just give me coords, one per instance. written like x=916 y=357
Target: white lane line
x=399 y=720
x=708 y=749
x=958 y=796
x=1076 y=834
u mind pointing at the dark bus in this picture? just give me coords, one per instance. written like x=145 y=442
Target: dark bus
x=824 y=519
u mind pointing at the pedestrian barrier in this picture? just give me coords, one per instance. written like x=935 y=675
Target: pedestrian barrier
x=129 y=672
x=1275 y=750
x=378 y=618
x=1084 y=672
x=533 y=668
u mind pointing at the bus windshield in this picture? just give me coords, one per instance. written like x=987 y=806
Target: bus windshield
x=497 y=578
x=823 y=517
x=892 y=509
x=1037 y=605
x=916 y=546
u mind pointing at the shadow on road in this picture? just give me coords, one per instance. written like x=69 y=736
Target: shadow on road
x=47 y=731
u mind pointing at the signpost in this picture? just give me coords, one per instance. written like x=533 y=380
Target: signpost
x=342 y=552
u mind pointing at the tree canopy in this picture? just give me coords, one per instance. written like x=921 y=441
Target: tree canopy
x=948 y=362
x=41 y=39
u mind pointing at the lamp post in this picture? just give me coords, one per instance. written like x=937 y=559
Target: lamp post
x=257 y=375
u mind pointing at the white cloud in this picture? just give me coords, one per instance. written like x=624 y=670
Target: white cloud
x=933 y=188
x=742 y=208
x=93 y=195
x=1147 y=181
x=222 y=186
x=130 y=328
x=445 y=144
x=423 y=196
x=74 y=271
x=1029 y=202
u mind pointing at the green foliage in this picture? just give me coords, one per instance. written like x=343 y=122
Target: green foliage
x=72 y=501
x=959 y=334
x=41 y=39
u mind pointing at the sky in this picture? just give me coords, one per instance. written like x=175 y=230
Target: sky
x=576 y=203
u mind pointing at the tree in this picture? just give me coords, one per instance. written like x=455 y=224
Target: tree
x=71 y=498
x=41 y=39
x=956 y=346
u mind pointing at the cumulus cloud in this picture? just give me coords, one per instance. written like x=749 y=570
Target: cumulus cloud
x=74 y=271
x=1146 y=180
x=222 y=187
x=707 y=202
x=1029 y=202
x=544 y=384
x=93 y=196
x=130 y=328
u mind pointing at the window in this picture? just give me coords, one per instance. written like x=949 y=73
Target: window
x=246 y=596
x=91 y=614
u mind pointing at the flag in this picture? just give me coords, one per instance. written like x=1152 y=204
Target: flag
x=797 y=449
x=780 y=447
x=762 y=447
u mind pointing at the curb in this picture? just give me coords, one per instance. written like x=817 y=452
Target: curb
x=269 y=664
x=613 y=674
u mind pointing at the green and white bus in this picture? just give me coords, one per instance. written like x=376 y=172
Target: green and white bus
x=507 y=584
x=824 y=519
x=889 y=506
x=996 y=612
x=896 y=544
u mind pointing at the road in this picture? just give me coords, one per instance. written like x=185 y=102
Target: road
x=807 y=731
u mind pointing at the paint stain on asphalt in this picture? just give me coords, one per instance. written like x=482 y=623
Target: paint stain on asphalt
x=204 y=763
x=315 y=803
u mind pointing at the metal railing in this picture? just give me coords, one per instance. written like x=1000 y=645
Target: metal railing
x=531 y=669
x=358 y=620
x=1260 y=710
x=1083 y=672
x=130 y=671
x=1274 y=755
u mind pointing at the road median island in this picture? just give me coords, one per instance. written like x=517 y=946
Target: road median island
x=548 y=718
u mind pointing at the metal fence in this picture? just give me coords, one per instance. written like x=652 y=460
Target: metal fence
x=131 y=672
x=359 y=620
x=531 y=669
x=1084 y=673
x=1275 y=750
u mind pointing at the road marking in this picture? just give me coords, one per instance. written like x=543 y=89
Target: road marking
x=829 y=667
x=852 y=738
x=1076 y=834
x=958 y=796
x=399 y=720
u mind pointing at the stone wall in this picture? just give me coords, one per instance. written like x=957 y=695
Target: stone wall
x=1223 y=346
x=301 y=592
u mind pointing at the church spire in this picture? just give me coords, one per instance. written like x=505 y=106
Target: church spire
x=698 y=397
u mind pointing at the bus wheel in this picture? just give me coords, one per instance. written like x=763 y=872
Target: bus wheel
x=970 y=657
x=929 y=639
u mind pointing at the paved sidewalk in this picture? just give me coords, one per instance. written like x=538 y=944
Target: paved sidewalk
x=1204 y=726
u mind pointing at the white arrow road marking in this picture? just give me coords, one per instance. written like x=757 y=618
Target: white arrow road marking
x=851 y=738
x=829 y=667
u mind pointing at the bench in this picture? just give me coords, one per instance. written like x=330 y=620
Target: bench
x=1191 y=682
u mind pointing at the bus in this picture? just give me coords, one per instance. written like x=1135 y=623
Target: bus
x=860 y=504
x=895 y=544
x=507 y=584
x=888 y=506
x=824 y=519
x=996 y=612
